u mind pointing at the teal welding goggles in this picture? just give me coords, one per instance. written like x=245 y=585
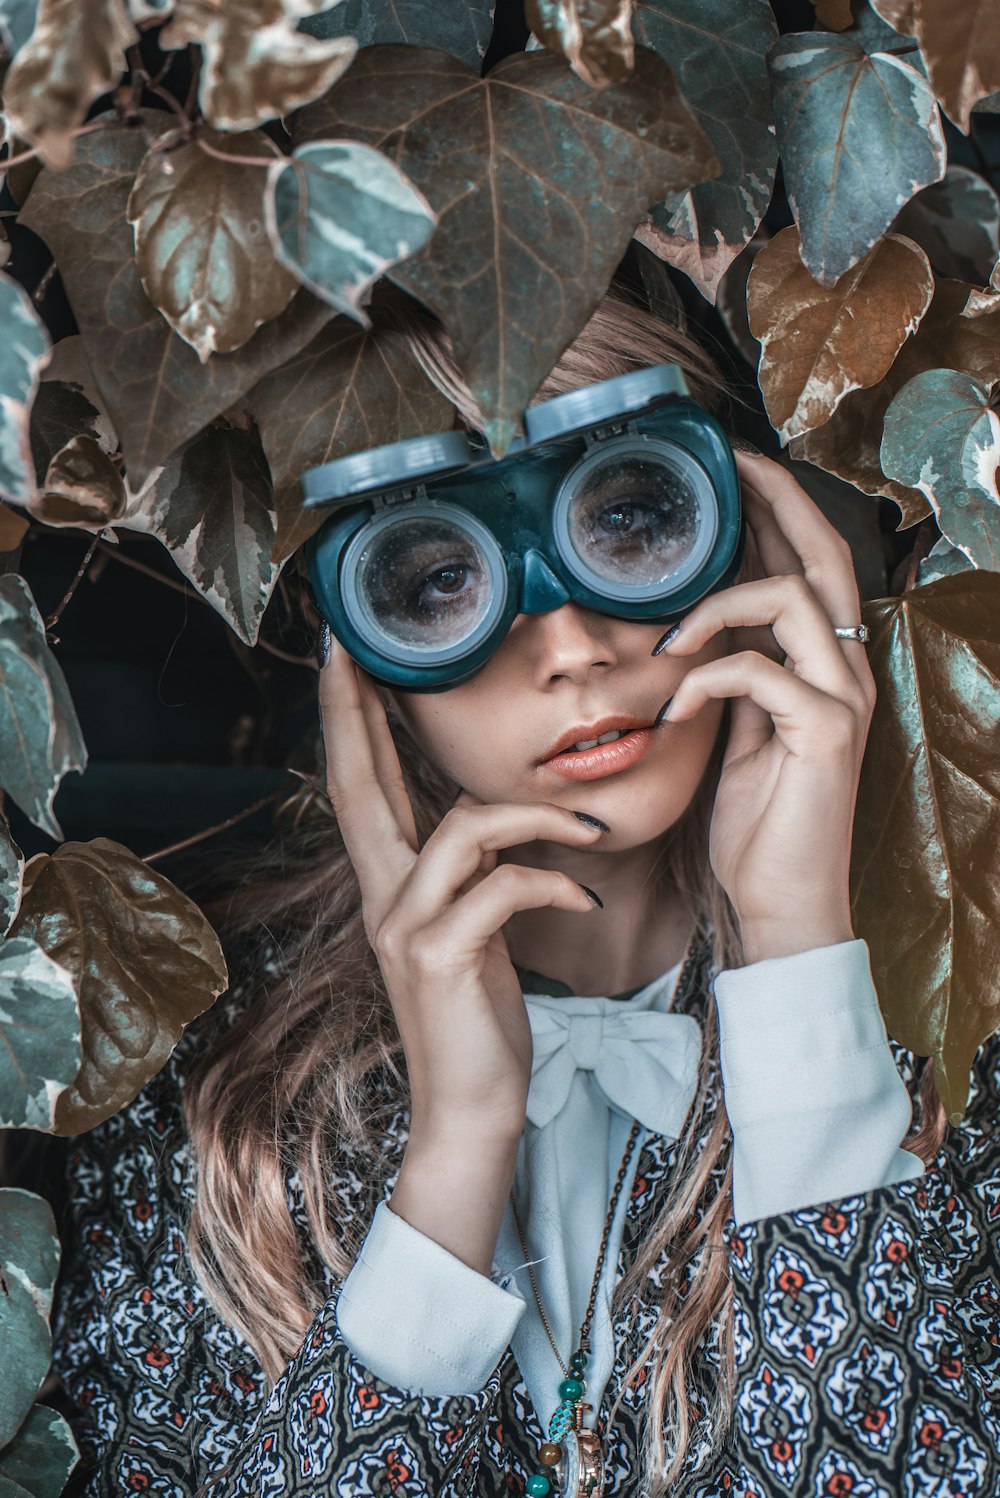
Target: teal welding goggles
x=622 y=497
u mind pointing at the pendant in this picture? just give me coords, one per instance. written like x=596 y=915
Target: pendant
x=581 y=1461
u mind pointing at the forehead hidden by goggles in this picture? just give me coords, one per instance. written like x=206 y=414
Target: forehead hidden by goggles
x=622 y=497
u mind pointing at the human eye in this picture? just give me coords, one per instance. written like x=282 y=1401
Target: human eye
x=442 y=585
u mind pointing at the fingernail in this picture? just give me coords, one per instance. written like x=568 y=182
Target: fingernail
x=664 y=640
x=741 y=445
x=323 y=644
x=589 y=821
x=663 y=712
x=592 y=895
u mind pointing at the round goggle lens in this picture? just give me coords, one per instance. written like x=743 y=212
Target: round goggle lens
x=425 y=585
x=638 y=522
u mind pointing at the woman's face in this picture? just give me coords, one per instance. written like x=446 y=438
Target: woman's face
x=573 y=674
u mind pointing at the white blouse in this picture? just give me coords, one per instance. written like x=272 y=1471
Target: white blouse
x=817 y=1110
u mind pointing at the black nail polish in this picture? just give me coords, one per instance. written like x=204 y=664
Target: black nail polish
x=589 y=821
x=323 y=644
x=664 y=640
x=663 y=712
x=592 y=895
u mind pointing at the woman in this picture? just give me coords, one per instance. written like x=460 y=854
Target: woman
x=386 y=1225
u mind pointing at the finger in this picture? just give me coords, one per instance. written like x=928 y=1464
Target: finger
x=750 y=728
x=453 y=853
x=371 y=833
x=467 y=925
x=758 y=638
x=385 y=756
x=798 y=621
x=808 y=720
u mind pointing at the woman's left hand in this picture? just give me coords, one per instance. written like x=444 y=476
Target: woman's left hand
x=782 y=826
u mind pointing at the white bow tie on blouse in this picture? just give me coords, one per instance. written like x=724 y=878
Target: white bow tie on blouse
x=598 y=1065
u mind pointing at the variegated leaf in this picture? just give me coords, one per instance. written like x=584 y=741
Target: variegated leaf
x=29 y=1253
x=41 y=1456
x=594 y=36
x=24 y=350
x=11 y=876
x=40 y=1050
x=339 y=214
x=957 y=222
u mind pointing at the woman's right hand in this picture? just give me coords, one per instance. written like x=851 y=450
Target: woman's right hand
x=434 y=917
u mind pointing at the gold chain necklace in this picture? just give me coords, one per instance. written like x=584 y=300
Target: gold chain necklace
x=572 y=1456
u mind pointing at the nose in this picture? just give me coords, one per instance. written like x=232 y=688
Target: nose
x=566 y=641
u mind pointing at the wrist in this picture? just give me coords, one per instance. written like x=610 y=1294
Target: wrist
x=800 y=933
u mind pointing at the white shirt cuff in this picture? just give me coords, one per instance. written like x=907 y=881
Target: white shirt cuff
x=816 y=1104
x=420 y=1318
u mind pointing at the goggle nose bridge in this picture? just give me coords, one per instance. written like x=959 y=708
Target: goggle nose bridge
x=541 y=590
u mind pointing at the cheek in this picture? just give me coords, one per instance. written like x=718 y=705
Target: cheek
x=466 y=734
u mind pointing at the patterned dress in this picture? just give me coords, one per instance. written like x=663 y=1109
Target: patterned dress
x=867 y=1335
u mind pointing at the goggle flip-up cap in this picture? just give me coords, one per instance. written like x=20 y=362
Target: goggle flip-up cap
x=397 y=465
x=594 y=405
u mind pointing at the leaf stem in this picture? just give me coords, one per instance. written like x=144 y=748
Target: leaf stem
x=232 y=156
x=31 y=154
x=54 y=617
x=922 y=543
x=199 y=837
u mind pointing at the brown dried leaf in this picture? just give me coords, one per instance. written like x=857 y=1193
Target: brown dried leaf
x=200 y=245
x=82 y=487
x=76 y=54
x=257 y=65
x=818 y=343
x=849 y=443
x=835 y=15
x=987 y=300
x=925 y=866
x=594 y=36
x=961 y=47
x=12 y=528
x=901 y=15
x=537 y=182
x=349 y=390
x=156 y=389
x=144 y=961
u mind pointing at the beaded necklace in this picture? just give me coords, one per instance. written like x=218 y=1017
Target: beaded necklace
x=572 y=1456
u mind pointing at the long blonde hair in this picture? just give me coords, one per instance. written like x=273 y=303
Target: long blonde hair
x=297 y=1084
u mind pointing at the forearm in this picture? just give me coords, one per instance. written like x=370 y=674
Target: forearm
x=453 y=1187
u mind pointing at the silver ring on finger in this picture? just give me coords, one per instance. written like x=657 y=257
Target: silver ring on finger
x=852 y=632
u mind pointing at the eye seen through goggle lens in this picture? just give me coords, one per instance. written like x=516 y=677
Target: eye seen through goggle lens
x=637 y=522
x=425 y=583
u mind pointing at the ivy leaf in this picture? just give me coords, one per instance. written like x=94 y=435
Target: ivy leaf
x=987 y=300
x=835 y=15
x=537 y=182
x=143 y=959
x=349 y=390
x=40 y=1050
x=76 y=54
x=942 y=438
x=41 y=1456
x=961 y=46
x=67 y=405
x=461 y=27
x=943 y=560
x=40 y=738
x=211 y=507
x=29 y=1255
x=859 y=136
x=901 y=15
x=156 y=389
x=594 y=36
x=339 y=215
x=819 y=343
x=13 y=527
x=24 y=349
x=257 y=66
x=850 y=442
x=200 y=245
x=718 y=53
x=17 y=22
x=925 y=890
x=11 y=876
x=957 y=222
x=82 y=487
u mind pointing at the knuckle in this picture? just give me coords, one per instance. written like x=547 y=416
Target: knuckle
x=840 y=728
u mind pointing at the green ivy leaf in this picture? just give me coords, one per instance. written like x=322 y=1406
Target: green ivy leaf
x=943 y=560
x=41 y=1456
x=40 y=738
x=859 y=135
x=199 y=243
x=40 y=1051
x=461 y=27
x=349 y=390
x=339 y=215
x=537 y=182
x=925 y=885
x=957 y=222
x=719 y=55
x=942 y=438
x=211 y=507
x=156 y=389
x=29 y=1262
x=144 y=962
x=11 y=876
x=24 y=350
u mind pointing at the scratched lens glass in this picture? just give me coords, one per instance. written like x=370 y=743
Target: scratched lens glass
x=424 y=583
x=635 y=520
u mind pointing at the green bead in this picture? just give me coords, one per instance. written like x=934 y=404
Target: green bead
x=571 y=1388
x=578 y=1362
x=538 y=1486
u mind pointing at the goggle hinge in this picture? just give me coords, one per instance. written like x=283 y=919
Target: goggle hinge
x=608 y=429
x=399 y=496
